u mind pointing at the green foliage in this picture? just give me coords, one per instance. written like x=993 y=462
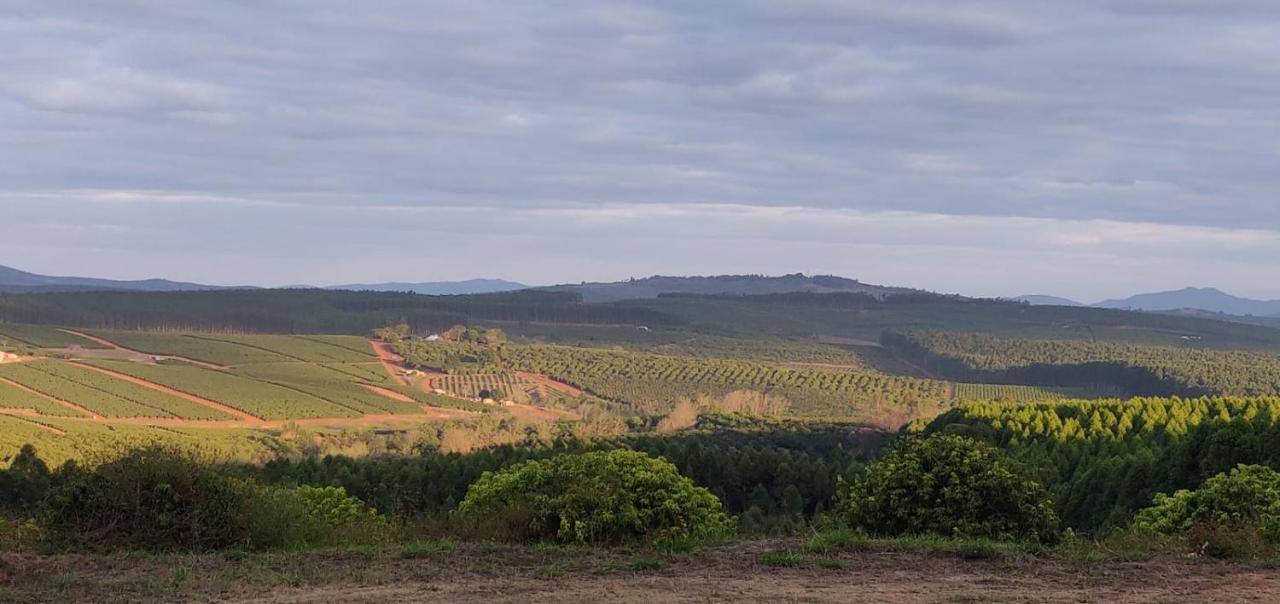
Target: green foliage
x=25 y=483
x=952 y=487
x=1130 y=368
x=782 y=559
x=646 y=383
x=1246 y=497
x=163 y=499
x=1102 y=460
x=592 y=498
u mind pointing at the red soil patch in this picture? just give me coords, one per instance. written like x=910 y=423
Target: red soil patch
x=71 y=406
x=232 y=411
x=391 y=394
x=393 y=362
x=158 y=357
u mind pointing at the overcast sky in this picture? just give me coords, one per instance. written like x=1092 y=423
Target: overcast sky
x=1087 y=148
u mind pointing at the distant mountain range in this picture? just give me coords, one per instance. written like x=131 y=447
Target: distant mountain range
x=736 y=285
x=13 y=280
x=1207 y=300
x=1190 y=301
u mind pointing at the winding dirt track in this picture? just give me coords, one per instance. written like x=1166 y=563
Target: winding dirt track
x=391 y=394
x=232 y=411
x=391 y=361
x=161 y=357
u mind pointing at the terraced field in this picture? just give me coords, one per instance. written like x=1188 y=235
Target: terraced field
x=259 y=399
x=15 y=398
x=327 y=385
x=194 y=347
x=310 y=349
x=101 y=394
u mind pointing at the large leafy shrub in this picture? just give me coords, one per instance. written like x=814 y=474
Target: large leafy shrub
x=163 y=499
x=949 y=486
x=1247 y=497
x=591 y=498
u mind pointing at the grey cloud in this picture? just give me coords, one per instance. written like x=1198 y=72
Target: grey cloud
x=1123 y=110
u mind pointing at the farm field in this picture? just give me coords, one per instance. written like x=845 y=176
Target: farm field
x=1017 y=394
x=102 y=394
x=42 y=336
x=260 y=399
x=196 y=347
x=18 y=398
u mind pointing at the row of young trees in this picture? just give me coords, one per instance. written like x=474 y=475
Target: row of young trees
x=653 y=383
x=1103 y=460
x=1133 y=369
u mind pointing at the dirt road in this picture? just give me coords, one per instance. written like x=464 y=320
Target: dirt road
x=732 y=573
x=158 y=357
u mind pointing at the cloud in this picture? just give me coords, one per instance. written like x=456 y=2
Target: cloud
x=818 y=115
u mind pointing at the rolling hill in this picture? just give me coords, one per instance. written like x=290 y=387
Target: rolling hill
x=18 y=281
x=735 y=285
x=1210 y=299
x=439 y=288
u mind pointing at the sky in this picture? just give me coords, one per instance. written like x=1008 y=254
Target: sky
x=1085 y=148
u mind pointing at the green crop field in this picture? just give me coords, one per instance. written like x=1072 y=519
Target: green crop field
x=102 y=394
x=369 y=373
x=327 y=384
x=41 y=336
x=196 y=347
x=12 y=397
x=260 y=399
x=1017 y=394
x=298 y=348
x=654 y=382
x=59 y=439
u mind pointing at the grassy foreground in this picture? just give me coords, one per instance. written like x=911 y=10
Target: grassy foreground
x=823 y=568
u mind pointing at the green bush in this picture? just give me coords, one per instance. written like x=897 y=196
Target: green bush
x=164 y=499
x=952 y=487
x=1247 y=497
x=599 y=497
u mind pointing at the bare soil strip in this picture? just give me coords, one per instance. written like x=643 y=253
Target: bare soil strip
x=71 y=406
x=391 y=394
x=232 y=411
x=160 y=357
x=391 y=361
